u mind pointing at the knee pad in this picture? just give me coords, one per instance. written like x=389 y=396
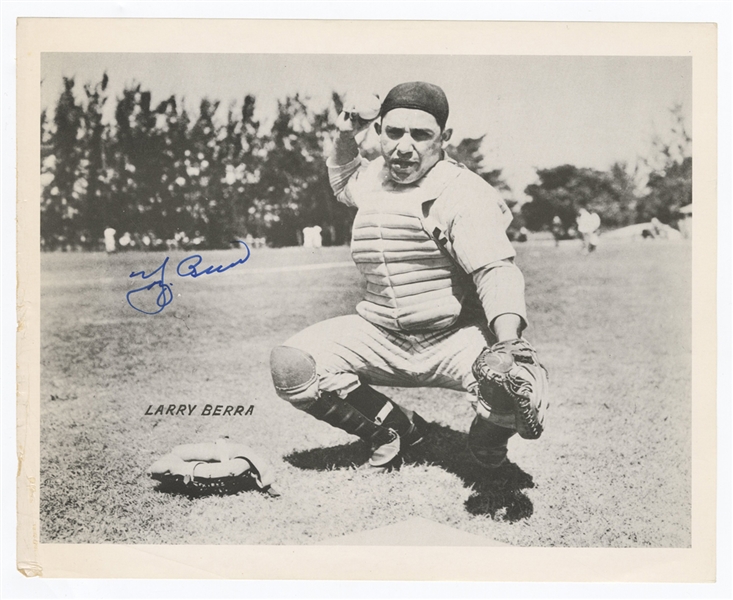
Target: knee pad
x=294 y=375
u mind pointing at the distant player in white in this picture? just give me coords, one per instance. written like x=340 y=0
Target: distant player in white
x=430 y=239
x=588 y=224
x=317 y=236
x=109 y=240
x=312 y=237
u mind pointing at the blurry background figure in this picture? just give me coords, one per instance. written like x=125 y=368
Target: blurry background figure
x=126 y=240
x=684 y=222
x=588 y=225
x=109 y=240
x=523 y=235
x=180 y=239
x=312 y=237
x=557 y=229
x=654 y=230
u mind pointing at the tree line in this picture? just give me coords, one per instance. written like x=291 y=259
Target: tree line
x=157 y=173
x=617 y=195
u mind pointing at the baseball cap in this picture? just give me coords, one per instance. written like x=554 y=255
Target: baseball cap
x=418 y=95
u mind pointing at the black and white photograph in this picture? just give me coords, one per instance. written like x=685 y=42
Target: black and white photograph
x=338 y=299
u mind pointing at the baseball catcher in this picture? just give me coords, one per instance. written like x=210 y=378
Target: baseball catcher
x=444 y=303
x=214 y=468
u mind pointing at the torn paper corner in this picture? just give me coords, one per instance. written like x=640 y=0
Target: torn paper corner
x=30 y=569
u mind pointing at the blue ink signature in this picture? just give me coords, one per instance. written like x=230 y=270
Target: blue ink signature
x=187 y=267
x=165 y=295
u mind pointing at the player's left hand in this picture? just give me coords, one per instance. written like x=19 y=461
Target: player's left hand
x=512 y=380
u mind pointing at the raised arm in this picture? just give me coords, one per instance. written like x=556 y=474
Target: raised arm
x=345 y=160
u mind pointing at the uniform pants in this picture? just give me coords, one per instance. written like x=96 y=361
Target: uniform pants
x=350 y=350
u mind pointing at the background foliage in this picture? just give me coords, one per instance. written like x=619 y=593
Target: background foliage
x=159 y=173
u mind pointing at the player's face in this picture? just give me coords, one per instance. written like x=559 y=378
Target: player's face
x=411 y=142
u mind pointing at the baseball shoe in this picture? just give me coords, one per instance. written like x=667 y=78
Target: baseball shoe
x=487 y=443
x=385 y=454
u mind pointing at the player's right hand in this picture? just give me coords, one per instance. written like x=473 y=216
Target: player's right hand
x=359 y=112
x=350 y=124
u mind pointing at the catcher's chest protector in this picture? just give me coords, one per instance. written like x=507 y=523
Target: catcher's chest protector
x=411 y=284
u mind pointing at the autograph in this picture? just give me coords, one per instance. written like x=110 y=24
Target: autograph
x=187 y=267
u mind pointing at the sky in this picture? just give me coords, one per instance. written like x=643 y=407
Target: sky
x=535 y=111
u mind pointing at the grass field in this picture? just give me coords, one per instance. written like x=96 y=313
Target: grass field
x=611 y=470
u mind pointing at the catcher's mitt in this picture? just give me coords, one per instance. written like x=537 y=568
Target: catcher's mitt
x=512 y=381
x=220 y=468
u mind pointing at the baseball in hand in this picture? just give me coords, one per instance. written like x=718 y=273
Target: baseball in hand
x=366 y=106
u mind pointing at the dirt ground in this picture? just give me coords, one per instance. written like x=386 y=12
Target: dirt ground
x=612 y=469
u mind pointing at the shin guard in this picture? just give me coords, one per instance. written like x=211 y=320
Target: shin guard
x=338 y=413
x=365 y=412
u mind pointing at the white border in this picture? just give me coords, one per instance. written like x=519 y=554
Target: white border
x=15 y=586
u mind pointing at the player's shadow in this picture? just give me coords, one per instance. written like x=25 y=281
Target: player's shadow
x=496 y=493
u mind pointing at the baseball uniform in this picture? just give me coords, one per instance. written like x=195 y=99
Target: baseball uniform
x=439 y=268
x=429 y=237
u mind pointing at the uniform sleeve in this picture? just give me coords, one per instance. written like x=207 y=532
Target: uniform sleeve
x=478 y=226
x=339 y=176
x=500 y=287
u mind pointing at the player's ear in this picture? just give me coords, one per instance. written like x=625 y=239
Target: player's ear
x=445 y=136
x=378 y=127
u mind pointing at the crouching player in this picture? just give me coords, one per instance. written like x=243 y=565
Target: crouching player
x=444 y=305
